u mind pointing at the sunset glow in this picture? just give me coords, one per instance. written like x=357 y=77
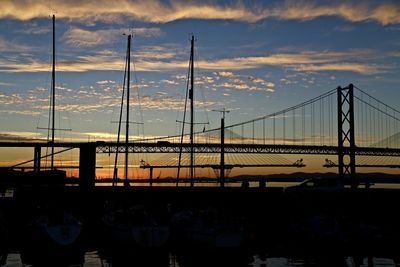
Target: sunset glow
x=253 y=58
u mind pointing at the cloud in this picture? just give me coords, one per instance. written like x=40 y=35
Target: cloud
x=6 y=84
x=32 y=27
x=156 y=52
x=169 y=102
x=81 y=63
x=169 y=82
x=285 y=59
x=180 y=77
x=356 y=60
x=232 y=80
x=20 y=112
x=105 y=82
x=240 y=86
x=353 y=67
x=158 y=11
x=100 y=135
x=204 y=80
x=148 y=11
x=77 y=136
x=9 y=46
x=383 y=13
x=261 y=81
x=395 y=54
x=11 y=100
x=316 y=61
x=82 y=37
x=225 y=74
x=21 y=136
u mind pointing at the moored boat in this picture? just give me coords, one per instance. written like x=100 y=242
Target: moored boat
x=61 y=228
x=4 y=235
x=208 y=230
x=135 y=227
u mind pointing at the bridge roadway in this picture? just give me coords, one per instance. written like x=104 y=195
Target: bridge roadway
x=169 y=147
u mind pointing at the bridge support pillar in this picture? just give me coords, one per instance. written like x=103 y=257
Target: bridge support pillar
x=87 y=165
x=222 y=162
x=151 y=176
x=346 y=137
x=36 y=158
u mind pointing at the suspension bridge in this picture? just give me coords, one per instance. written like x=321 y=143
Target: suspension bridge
x=352 y=127
x=346 y=122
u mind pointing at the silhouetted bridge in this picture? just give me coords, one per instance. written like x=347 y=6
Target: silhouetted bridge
x=314 y=127
x=140 y=147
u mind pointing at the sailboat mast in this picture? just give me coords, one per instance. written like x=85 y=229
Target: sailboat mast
x=191 y=97
x=127 y=110
x=53 y=96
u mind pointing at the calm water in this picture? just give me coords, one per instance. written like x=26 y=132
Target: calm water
x=92 y=258
x=95 y=256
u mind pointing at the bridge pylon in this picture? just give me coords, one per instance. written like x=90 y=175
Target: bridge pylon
x=346 y=137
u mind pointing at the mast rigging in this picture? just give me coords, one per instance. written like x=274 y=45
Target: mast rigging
x=127 y=111
x=191 y=97
x=53 y=94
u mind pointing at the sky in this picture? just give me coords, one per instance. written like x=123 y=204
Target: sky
x=251 y=57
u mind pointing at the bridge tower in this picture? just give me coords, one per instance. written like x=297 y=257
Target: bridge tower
x=346 y=138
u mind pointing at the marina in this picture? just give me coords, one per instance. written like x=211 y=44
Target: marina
x=269 y=221
x=309 y=178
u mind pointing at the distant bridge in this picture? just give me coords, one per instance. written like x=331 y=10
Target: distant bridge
x=141 y=147
x=344 y=122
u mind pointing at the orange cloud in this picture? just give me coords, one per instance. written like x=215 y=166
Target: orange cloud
x=354 y=67
x=316 y=61
x=383 y=13
x=83 y=37
x=159 y=12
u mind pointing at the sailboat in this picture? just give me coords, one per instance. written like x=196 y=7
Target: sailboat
x=55 y=226
x=52 y=176
x=133 y=225
x=203 y=228
x=52 y=226
x=208 y=229
x=136 y=227
x=190 y=96
x=127 y=80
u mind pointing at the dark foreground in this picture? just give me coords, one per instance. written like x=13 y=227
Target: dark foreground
x=308 y=225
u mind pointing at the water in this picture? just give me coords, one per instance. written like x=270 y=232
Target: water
x=302 y=231
x=93 y=259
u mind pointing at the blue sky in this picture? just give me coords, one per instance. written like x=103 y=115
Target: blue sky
x=252 y=57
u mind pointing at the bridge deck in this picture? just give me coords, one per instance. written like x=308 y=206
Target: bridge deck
x=167 y=147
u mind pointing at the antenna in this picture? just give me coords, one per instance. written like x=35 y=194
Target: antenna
x=223 y=111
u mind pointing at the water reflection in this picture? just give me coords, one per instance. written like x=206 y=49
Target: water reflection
x=297 y=232
x=213 y=258
x=128 y=256
x=176 y=259
x=52 y=257
x=261 y=261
